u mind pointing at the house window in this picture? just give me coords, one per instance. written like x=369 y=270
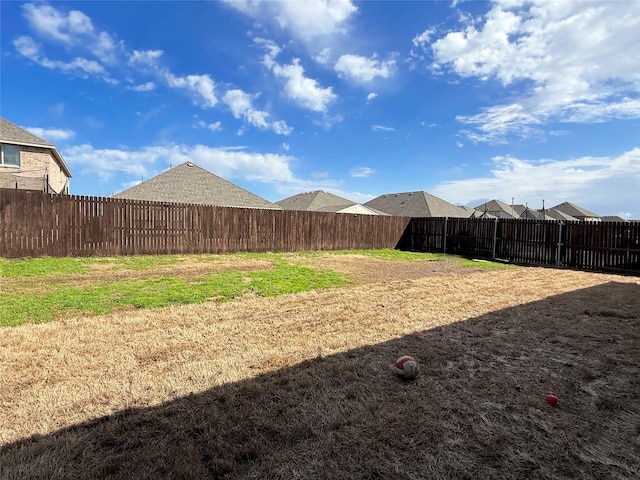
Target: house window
x=9 y=156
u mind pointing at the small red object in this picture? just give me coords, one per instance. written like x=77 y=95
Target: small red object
x=552 y=400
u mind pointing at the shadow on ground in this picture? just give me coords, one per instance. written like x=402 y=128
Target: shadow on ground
x=476 y=410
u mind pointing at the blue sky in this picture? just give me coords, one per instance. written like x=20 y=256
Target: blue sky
x=469 y=101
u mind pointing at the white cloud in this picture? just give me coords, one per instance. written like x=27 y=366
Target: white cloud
x=106 y=162
x=361 y=171
x=371 y=96
x=214 y=127
x=239 y=102
x=239 y=163
x=27 y=47
x=145 y=57
x=585 y=181
x=423 y=38
x=304 y=91
x=53 y=22
x=144 y=87
x=73 y=29
x=51 y=134
x=306 y=20
x=228 y=162
x=232 y=162
x=241 y=106
x=363 y=69
x=567 y=62
x=382 y=128
x=202 y=86
x=324 y=57
x=79 y=66
x=281 y=128
x=285 y=146
x=271 y=51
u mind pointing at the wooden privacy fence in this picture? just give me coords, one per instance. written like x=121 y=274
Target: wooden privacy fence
x=602 y=246
x=34 y=224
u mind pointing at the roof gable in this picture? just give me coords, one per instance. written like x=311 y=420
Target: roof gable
x=318 y=200
x=558 y=215
x=416 y=204
x=189 y=183
x=473 y=213
x=14 y=135
x=498 y=208
x=575 y=211
x=533 y=214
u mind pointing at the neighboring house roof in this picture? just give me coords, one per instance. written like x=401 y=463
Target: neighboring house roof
x=558 y=215
x=613 y=218
x=474 y=213
x=576 y=211
x=314 y=201
x=498 y=208
x=533 y=214
x=519 y=208
x=14 y=135
x=416 y=204
x=321 y=201
x=189 y=183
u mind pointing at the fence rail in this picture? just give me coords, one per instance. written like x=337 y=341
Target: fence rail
x=34 y=224
x=605 y=246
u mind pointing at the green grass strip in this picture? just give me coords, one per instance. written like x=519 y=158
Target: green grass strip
x=44 y=266
x=65 y=301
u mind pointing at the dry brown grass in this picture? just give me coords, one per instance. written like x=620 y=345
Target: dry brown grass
x=299 y=386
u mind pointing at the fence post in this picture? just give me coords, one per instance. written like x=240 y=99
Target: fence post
x=444 y=246
x=495 y=238
x=560 y=223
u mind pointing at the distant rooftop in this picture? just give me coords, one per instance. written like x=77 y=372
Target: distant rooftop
x=189 y=183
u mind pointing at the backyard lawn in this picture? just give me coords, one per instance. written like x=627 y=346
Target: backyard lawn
x=278 y=366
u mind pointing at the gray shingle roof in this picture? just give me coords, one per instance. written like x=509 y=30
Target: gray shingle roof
x=533 y=214
x=13 y=134
x=558 y=215
x=473 y=213
x=498 y=208
x=575 y=211
x=319 y=201
x=519 y=209
x=416 y=204
x=189 y=183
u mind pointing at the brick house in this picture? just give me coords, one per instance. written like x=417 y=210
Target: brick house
x=28 y=162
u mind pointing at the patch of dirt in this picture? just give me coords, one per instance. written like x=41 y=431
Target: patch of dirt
x=365 y=269
x=111 y=273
